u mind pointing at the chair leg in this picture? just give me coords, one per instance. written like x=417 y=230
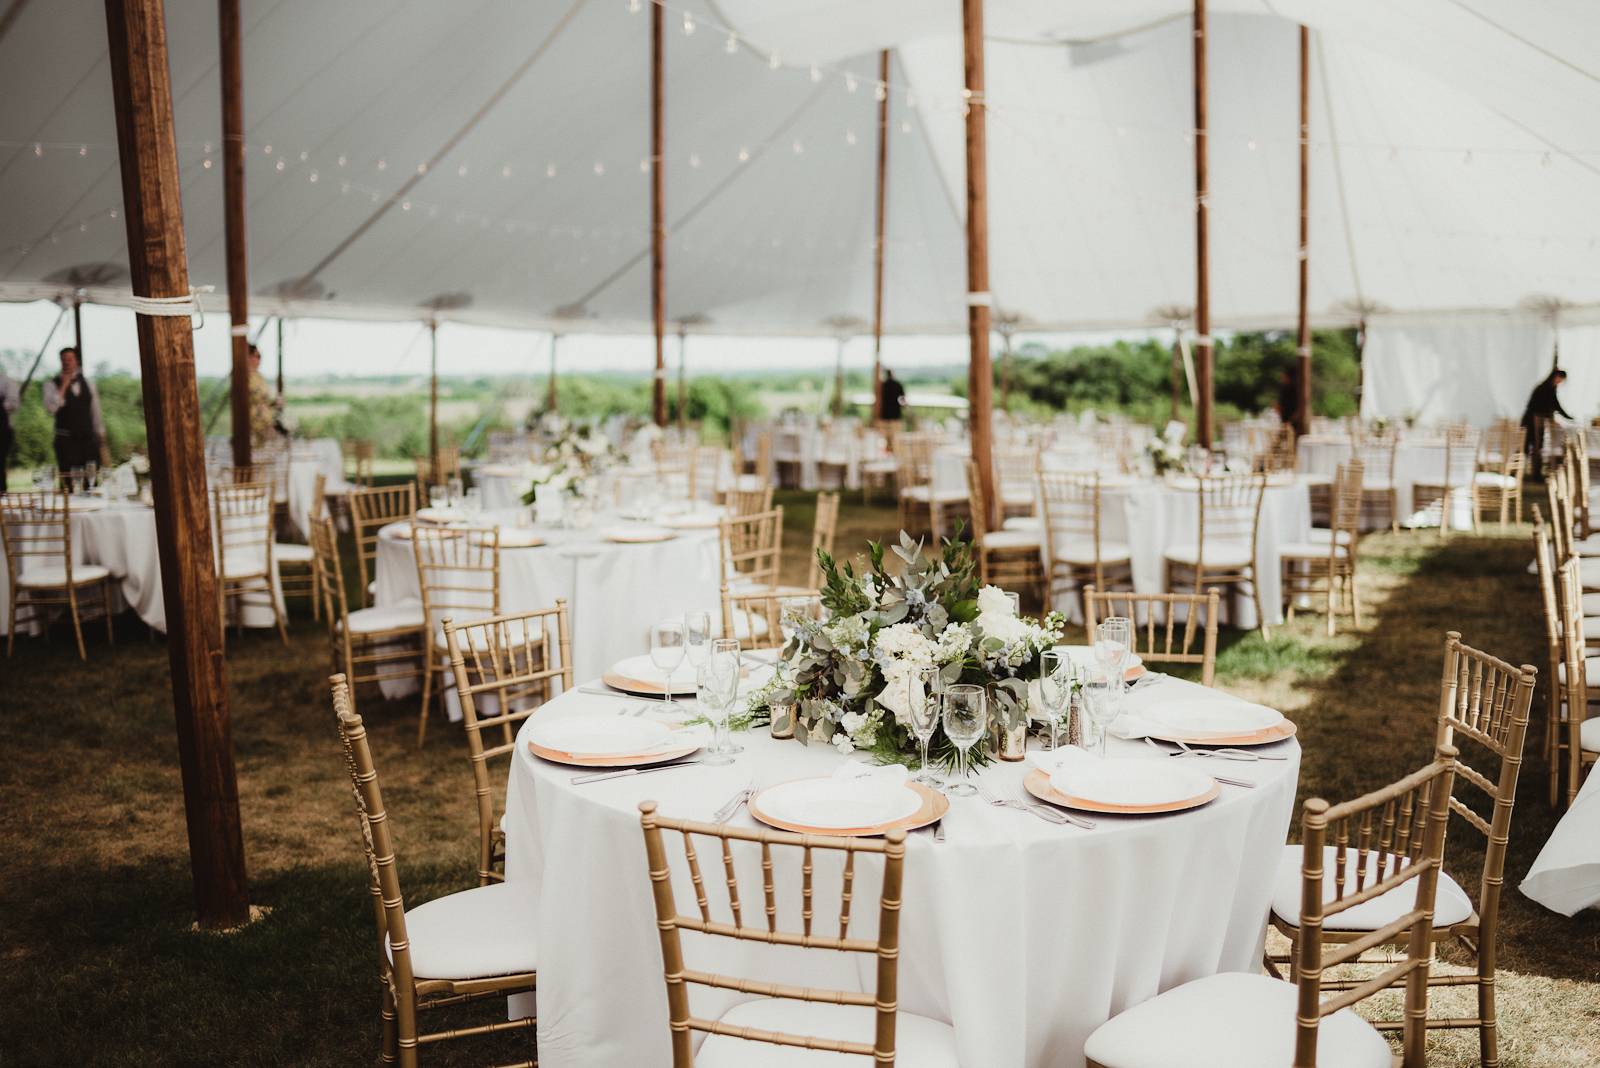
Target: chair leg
x=1488 y=1025
x=427 y=696
x=77 y=623
x=105 y=603
x=386 y=1014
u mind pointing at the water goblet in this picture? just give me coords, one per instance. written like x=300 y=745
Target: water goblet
x=666 y=653
x=1056 y=678
x=966 y=719
x=697 y=636
x=725 y=655
x=438 y=497
x=922 y=709
x=712 y=693
x=1100 y=693
x=1113 y=643
x=453 y=488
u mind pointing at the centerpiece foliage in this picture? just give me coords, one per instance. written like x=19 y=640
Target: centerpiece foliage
x=571 y=460
x=848 y=672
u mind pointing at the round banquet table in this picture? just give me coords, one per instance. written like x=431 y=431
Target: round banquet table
x=1415 y=460
x=1024 y=935
x=501 y=486
x=614 y=592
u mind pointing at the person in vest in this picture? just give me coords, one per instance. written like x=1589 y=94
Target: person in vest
x=73 y=401
x=264 y=405
x=9 y=398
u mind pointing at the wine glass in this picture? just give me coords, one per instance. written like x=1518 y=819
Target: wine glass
x=666 y=653
x=966 y=719
x=1056 y=677
x=697 y=637
x=716 y=683
x=922 y=709
x=1100 y=694
x=453 y=487
x=1113 y=641
x=725 y=665
x=438 y=497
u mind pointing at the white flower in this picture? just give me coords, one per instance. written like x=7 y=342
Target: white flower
x=841 y=742
x=992 y=601
x=904 y=641
x=954 y=642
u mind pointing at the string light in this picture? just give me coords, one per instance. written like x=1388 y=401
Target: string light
x=266 y=150
x=312 y=177
x=644 y=166
x=280 y=166
x=744 y=154
x=773 y=62
x=343 y=161
x=881 y=92
x=688 y=24
x=816 y=73
x=599 y=168
x=549 y=170
x=849 y=83
x=383 y=164
x=731 y=45
x=694 y=160
x=206 y=163
x=461 y=171
x=633 y=7
x=505 y=171
x=38 y=149
x=799 y=149
x=304 y=156
x=83 y=150
x=849 y=137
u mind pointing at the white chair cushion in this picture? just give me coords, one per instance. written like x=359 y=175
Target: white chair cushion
x=1323 y=536
x=1017 y=498
x=926 y=494
x=488 y=930
x=1589 y=734
x=1591 y=604
x=879 y=467
x=1218 y=554
x=288 y=552
x=1495 y=480
x=387 y=617
x=1231 y=1020
x=1316 y=480
x=747 y=625
x=1589 y=572
x=1308 y=550
x=1023 y=522
x=1011 y=539
x=1376 y=485
x=54 y=576
x=1591 y=671
x=1451 y=904
x=244 y=565
x=1591 y=628
x=1082 y=553
x=918 y=1040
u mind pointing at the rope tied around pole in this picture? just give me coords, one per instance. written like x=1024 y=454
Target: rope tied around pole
x=186 y=304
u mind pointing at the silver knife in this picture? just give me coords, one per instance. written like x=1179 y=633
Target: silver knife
x=579 y=780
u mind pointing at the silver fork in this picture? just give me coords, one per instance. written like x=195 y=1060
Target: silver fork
x=731 y=808
x=1025 y=799
x=1046 y=814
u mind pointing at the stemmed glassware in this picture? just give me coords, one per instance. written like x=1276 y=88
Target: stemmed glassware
x=1113 y=642
x=697 y=637
x=454 y=489
x=1057 y=677
x=1100 y=693
x=922 y=709
x=966 y=719
x=717 y=688
x=666 y=653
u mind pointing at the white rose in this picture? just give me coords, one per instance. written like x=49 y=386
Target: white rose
x=841 y=742
x=992 y=601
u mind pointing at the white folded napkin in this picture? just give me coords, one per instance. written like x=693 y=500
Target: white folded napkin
x=1195 y=710
x=886 y=776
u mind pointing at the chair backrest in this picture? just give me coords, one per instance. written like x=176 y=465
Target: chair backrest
x=1485 y=701
x=1015 y=468
x=359 y=456
x=823 y=529
x=377 y=842
x=1503 y=446
x=1071 y=516
x=1278 y=453
x=1377 y=458
x=980 y=520
x=371 y=510
x=36 y=527
x=242 y=522
x=328 y=572
x=752 y=548
x=504 y=669
x=319 y=495
x=756 y=617
x=750 y=501
x=764 y=457
x=1574 y=650
x=1162 y=638
x=1460 y=456
x=1344 y=513
x=1544 y=562
x=1230 y=511
x=1380 y=842
x=885 y=946
x=448 y=466
x=1560 y=501
x=913 y=457
x=705 y=471
x=458 y=572
x=1575 y=461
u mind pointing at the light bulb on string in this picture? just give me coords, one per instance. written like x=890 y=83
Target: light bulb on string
x=280 y=166
x=505 y=171
x=38 y=149
x=849 y=82
x=461 y=171
x=383 y=165
x=849 y=137
x=206 y=163
x=688 y=24
x=304 y=156
x=773 y=62
x=312 y=177
x=744 y=154
x=1251 y=144
x=633 y=7
x=599 y=168
x=799 y=149
x=694 y=160
x=83 y=150
x=644 y=165
x=881 y=92
x=405 y=205
x=422 y=168
x=816 y=73
x=731 y=45
x=342 y=160
x=549 y=170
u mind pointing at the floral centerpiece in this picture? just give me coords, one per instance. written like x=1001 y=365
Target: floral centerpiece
x=850 y=672
x=570 y=462
x=1165 y=455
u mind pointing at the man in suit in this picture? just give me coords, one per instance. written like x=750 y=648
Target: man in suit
x=1543 y=406
x=9 y=398
x=72 y=399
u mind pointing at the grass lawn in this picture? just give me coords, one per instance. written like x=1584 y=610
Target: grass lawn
x=101 y=966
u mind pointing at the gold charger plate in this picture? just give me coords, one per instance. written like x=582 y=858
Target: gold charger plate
x=1265 y=736
x=934 y=806
x=618 y=537
x=612 y=760
x=1037 y=783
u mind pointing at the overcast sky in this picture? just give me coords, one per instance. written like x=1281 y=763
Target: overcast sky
x=316 y=347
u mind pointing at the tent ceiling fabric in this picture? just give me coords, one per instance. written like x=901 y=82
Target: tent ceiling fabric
x=1464 y=173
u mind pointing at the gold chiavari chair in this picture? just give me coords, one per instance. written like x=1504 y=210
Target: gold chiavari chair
x=36 y=529
x=756 y=617
x=1333 y=562
x=1355 y=855
x=1225 y=551
x=1076 y=555
x=504 y=671
x=366 y=644
x=809 y=1025
x=372 y=509
x=1010 y=559
x=449 y=466
x=458 y=572
x=241 y=524
x=1277 y=454
x=472 y=945
x=1578 y=674
x=1161 y=638
x=751 y=547
x=747 y=500
x=1555 y=654
x=1376 y=455
x=674 y=469
x=1460 y=464
x=1497 y=485
x=1484 y=703
x=359 y=455
x=924 y=507
x=1016 y=469
x=1575 y=455
x=823 y=529
x=705 y=472
x=297 y=564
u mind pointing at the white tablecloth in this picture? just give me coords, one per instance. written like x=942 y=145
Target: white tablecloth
x=614 y=592
x=1149 y=517
x=1023 y=934
x=1421 y=460
x=303 y=491
x=122 y=538
x=812 y=450
x=1566 y=875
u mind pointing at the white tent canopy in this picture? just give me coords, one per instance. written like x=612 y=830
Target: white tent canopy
x=1455 y=159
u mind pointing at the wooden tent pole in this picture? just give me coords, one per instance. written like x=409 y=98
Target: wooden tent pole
x=683 y=379
x=433 y=401
x=232 y=50
x=1202 y=303
x=550 y=394
x=881 y=203
x=980 y=373
x=1303 y=345
x=838 y=376
x=280 y=356
x=153 y=208
x=658 y=237
x=77 y=331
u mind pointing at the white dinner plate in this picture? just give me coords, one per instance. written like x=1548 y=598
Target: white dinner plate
x=1083 y=656
x=637 y=674
x=693 y=520
x=638 y=533
x=1208 y=716
x=609 y=741
x=831 y=804
x=440 y=515
x=514 y=538
x=1137 y=784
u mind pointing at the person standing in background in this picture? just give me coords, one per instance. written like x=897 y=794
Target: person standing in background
x=1543 y=406
x=72 y=399
x=264 y=405
x=9 y=398
x=892 y=399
